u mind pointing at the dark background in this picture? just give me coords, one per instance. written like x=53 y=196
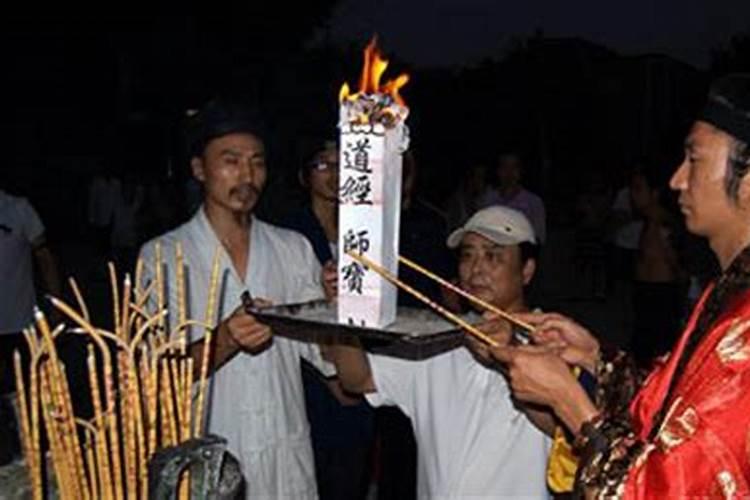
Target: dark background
x=586 y=88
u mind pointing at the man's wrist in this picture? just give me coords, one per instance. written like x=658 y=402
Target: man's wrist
x=574 y=407
x=224 y=340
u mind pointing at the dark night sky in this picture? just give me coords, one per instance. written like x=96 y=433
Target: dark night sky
x=440 y=32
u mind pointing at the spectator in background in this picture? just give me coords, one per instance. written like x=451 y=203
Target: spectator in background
x=125 y=236
x=507 y=190
x=463 y=202
x=160 y=208
x=341 y=425
x=103 y=193
x=626 y=227
x=22 y=237
x=660 y=284
x=421 y=239
x=589 y=257
x=318 y=218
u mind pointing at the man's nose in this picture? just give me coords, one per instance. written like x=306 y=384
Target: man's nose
x=246 y=171
x=678 y=182
x=477 y=267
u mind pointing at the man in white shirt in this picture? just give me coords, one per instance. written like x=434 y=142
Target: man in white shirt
x=472 y=441
x=22 y=242
x=22 y=237
x=256 y=400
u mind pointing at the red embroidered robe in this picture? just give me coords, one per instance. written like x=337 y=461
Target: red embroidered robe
x=703 y=446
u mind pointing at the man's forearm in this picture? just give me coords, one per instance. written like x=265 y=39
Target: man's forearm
x=574 y=408
x=353 y=368
x=542 y=418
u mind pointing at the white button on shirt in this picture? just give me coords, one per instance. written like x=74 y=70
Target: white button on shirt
x=472 y=443
x=256 y=401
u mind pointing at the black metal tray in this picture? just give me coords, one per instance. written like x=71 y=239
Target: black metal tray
x=416 y=333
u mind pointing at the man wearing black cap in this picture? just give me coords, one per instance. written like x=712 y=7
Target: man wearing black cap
x=684 y=432
x=256 y=399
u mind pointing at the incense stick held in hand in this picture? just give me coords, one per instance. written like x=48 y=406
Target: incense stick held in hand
x=472 y=298
x=423 y=298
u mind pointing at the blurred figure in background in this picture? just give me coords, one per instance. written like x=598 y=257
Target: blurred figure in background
x=507 y=190
x=104 y=191
x=422 y=236
x=463 y=202
x=22 y=240
x=592 y=209
x=660 y=283
x=125 y=236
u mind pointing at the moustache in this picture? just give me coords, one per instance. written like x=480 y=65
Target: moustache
x=244 y=191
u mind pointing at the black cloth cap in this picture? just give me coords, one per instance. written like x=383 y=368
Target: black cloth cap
x=728 y=106
x=221 y=117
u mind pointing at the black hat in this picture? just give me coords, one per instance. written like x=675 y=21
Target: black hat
x=221 y=117
x=308 y=148
x=728 y=106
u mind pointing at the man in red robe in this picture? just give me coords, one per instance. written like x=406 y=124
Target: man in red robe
x=684 y=431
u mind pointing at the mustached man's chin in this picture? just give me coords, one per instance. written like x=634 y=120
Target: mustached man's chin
x=243 y=211
x=244 y=202
x=232 y=208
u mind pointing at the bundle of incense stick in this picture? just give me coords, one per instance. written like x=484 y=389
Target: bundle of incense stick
x=141 y=387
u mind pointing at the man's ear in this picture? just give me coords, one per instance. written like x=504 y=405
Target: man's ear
x=302 y=178
x=740 y=153
x=196 y=164
x=529 y=268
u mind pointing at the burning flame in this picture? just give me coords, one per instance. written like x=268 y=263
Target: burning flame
x=372 y=71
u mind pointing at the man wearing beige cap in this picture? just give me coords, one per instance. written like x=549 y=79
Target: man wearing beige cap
x=472 y=441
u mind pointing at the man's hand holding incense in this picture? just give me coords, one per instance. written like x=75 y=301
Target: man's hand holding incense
x=540 y=376
x=572 y=342
x=537 y=374
x=494 y=327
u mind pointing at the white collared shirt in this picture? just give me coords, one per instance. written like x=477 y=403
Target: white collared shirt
x=256 y=401
x=471 y=441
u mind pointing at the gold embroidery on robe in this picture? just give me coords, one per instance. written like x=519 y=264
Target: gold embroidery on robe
x=678 y=429
x=734 y=346
x=727 y=484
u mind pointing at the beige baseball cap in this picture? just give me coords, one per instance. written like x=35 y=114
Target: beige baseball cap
x=502 y=225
